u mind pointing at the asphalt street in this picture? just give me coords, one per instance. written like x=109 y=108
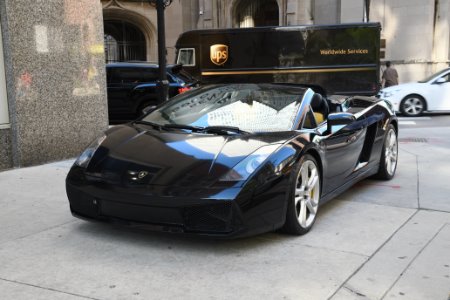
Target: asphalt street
x=378 y=240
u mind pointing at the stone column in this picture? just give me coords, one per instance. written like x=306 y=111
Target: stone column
x=55 y=77
x=190 y=14
x=5 y=127
x=441 y=38
x=327 y=11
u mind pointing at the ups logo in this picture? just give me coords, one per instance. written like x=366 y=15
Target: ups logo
x=219 y=54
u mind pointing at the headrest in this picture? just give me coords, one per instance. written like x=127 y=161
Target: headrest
x=316 y=101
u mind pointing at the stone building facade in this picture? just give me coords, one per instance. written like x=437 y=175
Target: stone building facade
x=416 y=34
x=139 y=19
x=52 y=79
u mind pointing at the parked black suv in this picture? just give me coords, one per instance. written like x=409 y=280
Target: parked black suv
x=132 y=88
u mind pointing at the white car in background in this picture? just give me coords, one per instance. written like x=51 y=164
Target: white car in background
x=412 y=99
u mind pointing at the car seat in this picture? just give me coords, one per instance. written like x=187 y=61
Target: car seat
x=320 y=108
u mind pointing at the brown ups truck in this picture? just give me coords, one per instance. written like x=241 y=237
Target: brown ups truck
x=343 y=59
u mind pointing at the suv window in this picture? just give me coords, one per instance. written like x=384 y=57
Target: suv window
x=183 y=77
x=134 y=75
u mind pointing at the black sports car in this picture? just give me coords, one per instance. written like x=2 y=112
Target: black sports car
x=234 y=160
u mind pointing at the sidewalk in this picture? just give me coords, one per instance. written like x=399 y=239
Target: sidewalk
x=379 y=240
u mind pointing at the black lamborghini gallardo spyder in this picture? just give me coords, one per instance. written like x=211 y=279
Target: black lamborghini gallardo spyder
x=234 y=160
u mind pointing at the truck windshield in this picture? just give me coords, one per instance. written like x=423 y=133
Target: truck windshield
x=249 y=107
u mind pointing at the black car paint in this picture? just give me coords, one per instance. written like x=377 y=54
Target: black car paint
x=172 y=186
x=168 y=201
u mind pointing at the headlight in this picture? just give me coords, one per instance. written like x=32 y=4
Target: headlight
x=246 y=167
x=85 y=157
x=389 y=93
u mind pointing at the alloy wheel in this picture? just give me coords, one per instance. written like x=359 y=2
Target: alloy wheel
x=391 y=152
x=307 y=194
x=413 y=106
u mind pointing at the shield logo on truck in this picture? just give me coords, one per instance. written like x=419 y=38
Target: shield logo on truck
x=219 y=54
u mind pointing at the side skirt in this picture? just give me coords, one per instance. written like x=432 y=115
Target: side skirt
x=369 y=172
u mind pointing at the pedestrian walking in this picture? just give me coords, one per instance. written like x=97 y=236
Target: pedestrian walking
x=390 y=76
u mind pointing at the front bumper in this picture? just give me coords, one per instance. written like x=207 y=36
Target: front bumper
x=180 y=214
x=226 y=212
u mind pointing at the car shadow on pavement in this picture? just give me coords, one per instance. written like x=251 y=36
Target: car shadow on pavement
x=164 y=240
x=171 y=241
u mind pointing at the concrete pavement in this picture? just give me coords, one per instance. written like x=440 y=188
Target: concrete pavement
x=379 y=240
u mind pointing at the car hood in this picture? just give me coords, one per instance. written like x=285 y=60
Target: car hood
x=134 y=155
x=410 y=87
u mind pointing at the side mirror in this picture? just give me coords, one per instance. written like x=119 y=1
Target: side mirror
x=336 y=121
x=440 y=80
x=148 y=109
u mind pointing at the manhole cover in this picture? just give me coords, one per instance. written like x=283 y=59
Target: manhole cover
x=413 y=140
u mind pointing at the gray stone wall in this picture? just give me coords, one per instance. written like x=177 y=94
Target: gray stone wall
x=5 y=149
x=417 y=48
x=55 y=76
x=327 y=12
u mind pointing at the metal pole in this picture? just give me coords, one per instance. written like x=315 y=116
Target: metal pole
x=162 y=84
x=367 y=10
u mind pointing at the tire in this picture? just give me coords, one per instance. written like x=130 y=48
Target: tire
x=389 y=155
x=304 y=197
x=412 y=106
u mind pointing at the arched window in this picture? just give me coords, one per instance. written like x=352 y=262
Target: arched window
x=124 y=42
x=254 y=13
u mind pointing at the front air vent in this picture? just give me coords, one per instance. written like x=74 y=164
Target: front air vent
x=210 y=218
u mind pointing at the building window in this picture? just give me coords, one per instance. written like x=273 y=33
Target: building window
x=251 y=13
x=124 y=42
x=186 y=57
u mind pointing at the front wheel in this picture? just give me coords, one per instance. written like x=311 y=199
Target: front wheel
x=304 y=197
x=389 y=155
x=412 y=106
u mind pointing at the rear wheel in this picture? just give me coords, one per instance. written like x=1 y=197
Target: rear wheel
x=389 y=155
x=412 y=106
x=303 y=201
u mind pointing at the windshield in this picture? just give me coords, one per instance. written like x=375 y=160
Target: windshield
x=434 y=75
x=249 y=107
